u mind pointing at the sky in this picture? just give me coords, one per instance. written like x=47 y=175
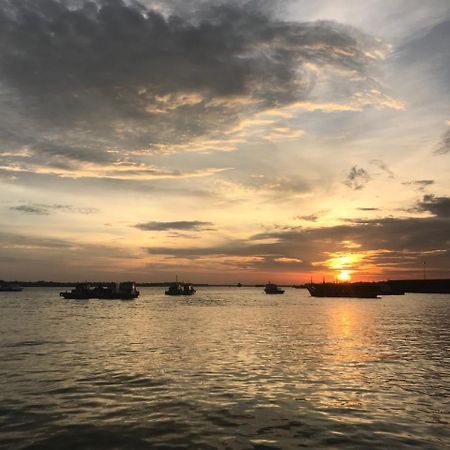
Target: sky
x=224 y=141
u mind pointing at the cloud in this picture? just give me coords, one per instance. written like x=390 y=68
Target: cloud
x=109 y=82
x=45 y=209
x=438 y=206
x=193 y=225
x=125 y=170
x=367 y=208
x=70 y=260
x=444 y=145
x=29 y=209
x=389 y=244
x=357 y=178
x=429 y=52
x=12 y=241
x=381 y=165
x=308 y=218
x=275 y=185
x=420 y=184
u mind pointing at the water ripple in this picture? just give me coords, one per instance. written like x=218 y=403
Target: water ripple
x=226 y=368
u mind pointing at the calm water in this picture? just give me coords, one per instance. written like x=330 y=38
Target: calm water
x=227 y=368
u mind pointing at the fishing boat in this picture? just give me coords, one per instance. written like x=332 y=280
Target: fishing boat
x=178 y=288
x=272 y=288
x=9 y=287
x=356 y=290
x=106 y=291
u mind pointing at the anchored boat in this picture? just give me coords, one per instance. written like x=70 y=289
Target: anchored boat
x=178 y=288
x=272 y=288
x=107 y=291
x=9 y=287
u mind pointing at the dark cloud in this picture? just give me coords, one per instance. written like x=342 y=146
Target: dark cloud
x=82 y=77
x=357 y=178
x=28 y=209
x=193 y=225
x=363 y=208
x=419 y=184
x=308 y=218
x=444 y=146
x=45 y=209
x=438 y=206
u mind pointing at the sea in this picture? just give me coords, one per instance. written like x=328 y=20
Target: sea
x=228 y=368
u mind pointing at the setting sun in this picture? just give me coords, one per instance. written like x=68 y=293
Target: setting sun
x=344 y=275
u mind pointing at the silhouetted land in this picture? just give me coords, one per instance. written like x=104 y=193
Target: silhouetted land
x=436 y=286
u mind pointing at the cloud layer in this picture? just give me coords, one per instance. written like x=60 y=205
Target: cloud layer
x=185 y=225
x=106 y=83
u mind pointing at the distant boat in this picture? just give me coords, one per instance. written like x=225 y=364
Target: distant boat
x=9 y=287
x=357 y=290
x=272 y=288
x=178 y=288
x=239 y=285
x=108 y=291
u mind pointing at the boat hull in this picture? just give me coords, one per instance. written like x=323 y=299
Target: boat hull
x=106 y=291
x=179 y=293
x=71 y=296
x=347 y=290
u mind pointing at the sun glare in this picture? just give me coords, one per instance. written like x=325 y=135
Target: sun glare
x=344 y=275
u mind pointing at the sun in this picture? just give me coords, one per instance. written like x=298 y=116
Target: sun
x=344 y=275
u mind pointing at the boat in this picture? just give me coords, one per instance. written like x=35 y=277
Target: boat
x=178 y=288
x=9 y=287
x=272 y=288
x=356 y=290
x=106 y=291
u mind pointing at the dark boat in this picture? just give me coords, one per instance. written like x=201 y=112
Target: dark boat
x=178 y=288
x=109 y=291
x=9 y=287
x=356 y=290
x=273 y=289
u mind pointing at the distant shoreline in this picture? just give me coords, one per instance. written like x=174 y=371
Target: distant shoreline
x=437 y=285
